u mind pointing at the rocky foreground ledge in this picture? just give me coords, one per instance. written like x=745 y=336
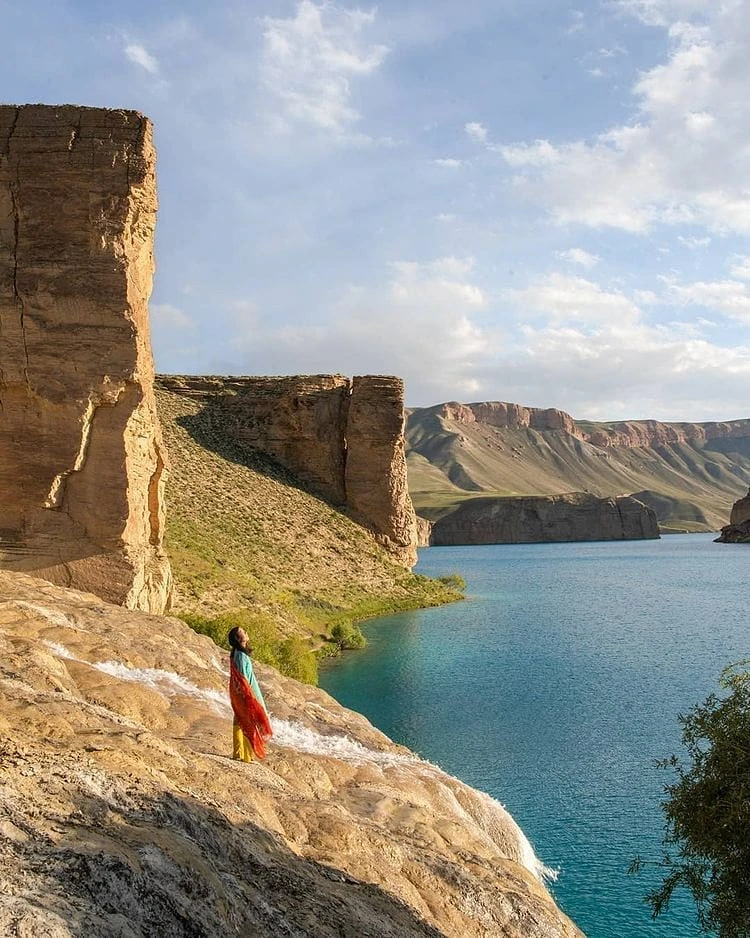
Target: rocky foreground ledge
x=120 y=814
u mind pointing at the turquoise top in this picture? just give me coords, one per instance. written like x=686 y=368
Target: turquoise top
x=244 y=665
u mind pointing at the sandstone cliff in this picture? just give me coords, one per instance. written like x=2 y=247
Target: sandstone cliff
x=342 y=439
x=577 y=516
x=738 y=529
x=690 y=473
x=81 y=459
x=244 y=537
x=121 y=815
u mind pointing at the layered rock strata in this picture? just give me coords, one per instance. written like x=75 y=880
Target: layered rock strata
x=121 y=810
x=81 y=459
x=577 y=516
x=342 y=438
x=738 y=529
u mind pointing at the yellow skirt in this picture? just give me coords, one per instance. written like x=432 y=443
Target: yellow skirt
x=241 y=746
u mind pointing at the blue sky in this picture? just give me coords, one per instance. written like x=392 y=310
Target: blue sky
x=540 y=202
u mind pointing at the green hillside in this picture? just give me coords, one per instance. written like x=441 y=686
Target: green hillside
x=691 y=486
x=248 y=546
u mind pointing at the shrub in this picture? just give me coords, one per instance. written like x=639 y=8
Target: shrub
x=707 y=812
x=453 y=580
x=297 y=660
x=347 y=635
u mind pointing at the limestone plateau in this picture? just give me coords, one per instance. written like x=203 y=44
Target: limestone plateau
x=738 y=529
x=122 y=815
x=342 y=438
x=687 y=473
x=82 y=464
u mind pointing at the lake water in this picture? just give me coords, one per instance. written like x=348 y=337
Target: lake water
x=554 y=687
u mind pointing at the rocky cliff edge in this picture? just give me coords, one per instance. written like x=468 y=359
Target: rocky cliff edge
x=120 y=814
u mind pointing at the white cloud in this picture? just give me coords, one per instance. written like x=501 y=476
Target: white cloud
x=420 y=324
x=168 y=316
x=309 y=61
x=664 y=12
x=448 y=163
x=729 y=297
x=581 y=257
x=683 y=159
x=139 y=55
x=741 y=267
x=565 y=299
x=476 y=131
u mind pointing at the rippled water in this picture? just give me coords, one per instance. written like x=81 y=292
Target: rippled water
x=554 y=687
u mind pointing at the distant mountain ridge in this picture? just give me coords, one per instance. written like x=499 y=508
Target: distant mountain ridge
x=689 y=473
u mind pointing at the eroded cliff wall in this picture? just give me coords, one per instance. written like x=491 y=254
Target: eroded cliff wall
x=577 y=516
x=81 y=458
x=342 y=438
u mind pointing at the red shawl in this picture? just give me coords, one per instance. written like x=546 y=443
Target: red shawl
x=249 y=711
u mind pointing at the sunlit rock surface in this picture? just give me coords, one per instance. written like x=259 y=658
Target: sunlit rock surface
x=81 y=458
x=120 y=813
x=738 y=529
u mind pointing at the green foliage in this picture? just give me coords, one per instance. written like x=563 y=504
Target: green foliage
x=707 y=811
x=347 y=635
x=453 y=581
x=297 y=660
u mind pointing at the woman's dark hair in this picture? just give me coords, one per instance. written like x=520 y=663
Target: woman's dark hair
x=232 y=638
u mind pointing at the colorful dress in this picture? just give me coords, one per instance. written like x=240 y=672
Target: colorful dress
x=252 y=729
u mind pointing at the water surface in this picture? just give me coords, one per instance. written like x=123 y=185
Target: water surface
x=554 y=687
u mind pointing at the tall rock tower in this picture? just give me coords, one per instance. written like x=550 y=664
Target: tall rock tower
x=81 y=457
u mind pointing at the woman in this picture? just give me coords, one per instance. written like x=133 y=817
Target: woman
x=252 y=729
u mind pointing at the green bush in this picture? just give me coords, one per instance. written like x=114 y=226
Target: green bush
x=347 y=635
x=297 y=660
x=453 y=580
x=292 y=656
x=707 y=812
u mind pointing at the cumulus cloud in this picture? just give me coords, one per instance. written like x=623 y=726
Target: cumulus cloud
x=309 y=62
x=731 y=298
x=562 y=298
x=476 y=131
x=139 y=55
x=741 y=268
x=421 y=324
x=581 y=257
x=683 y=159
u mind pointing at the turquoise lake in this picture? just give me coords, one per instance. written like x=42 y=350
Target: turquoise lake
x=554 y=687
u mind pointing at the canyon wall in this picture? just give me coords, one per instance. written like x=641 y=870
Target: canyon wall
x=81 y=458
x=341 y=438
x=577 y=516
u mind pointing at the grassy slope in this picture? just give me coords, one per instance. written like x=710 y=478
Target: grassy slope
x=692 y=487
x=240 y=535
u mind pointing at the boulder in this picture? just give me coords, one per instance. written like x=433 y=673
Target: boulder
x=738 y=529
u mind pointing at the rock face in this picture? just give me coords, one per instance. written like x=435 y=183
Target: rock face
x=504 y=415
x=342 y=439
x=738 y=529
x=424 y=532
x=653 y=433
x=121 y=810
x=81 y=460
x=577 y=516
